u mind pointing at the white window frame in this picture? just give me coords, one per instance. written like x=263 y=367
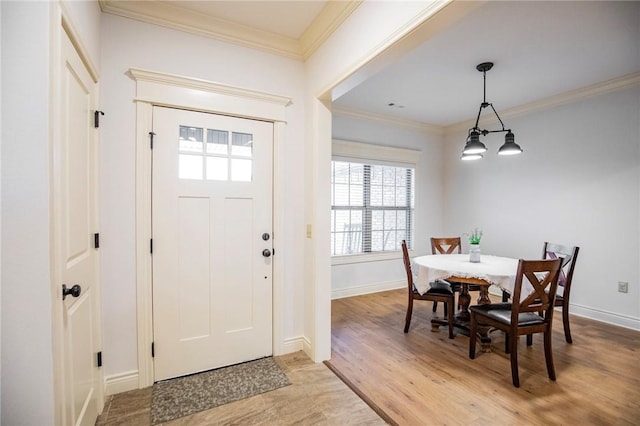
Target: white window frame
x=350 y=151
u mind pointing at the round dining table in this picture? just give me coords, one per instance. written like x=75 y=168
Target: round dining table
x=491 y=270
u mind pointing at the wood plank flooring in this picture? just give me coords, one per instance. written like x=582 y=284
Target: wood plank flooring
x=316 y=396
x=424 y=378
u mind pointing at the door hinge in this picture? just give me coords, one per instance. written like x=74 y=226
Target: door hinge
x=151 y=246
x=96 y=118
x=151 y=135
x=153 y=349
x=99 y=358
x=96 y=240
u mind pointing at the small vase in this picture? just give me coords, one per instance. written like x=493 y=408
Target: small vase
x=474 y=253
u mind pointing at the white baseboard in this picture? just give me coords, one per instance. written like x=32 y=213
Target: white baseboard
x=292 y=344
x=121 y=382
x=306 y=347
x=594 y=314
x=367 y=289
x=604 y=316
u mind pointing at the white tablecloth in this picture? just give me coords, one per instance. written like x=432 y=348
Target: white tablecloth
x=499 y=271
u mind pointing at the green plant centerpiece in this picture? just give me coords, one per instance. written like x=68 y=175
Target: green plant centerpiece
x=475 y=236
x=474 y=249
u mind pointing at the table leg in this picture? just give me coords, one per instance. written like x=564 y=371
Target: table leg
x=464 y=316
x=483 y=298
x=464 y=300
x=483 y=332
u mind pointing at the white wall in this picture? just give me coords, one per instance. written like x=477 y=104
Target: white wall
x=27 y=365
x=132 y=44
x=360 y=278
x=577 y=183
x=370 y=30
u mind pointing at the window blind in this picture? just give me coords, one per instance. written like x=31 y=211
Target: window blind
x=372 y=207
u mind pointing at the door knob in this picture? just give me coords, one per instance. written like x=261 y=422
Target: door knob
x=73 y=291
x=266 y=252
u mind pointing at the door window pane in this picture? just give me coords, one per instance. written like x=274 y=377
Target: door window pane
x=217 y=142
x=190 y=139
x=189 y=166
x=242 y=144
x=241 y=170
x=217 y=168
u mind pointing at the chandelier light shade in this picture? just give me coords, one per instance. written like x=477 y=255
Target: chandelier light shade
x=474 y=148
x=510 y=147
x=473 y=145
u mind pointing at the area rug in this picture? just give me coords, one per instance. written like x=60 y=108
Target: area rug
x=175 y=398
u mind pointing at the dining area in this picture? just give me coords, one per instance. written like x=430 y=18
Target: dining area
x=531 y=285
x=469 y=354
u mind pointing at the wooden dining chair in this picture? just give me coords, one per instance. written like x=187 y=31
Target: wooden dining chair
x=449 y=245
x=569 y=255
x=516 y=319
x=446 y=245
x=439 y=291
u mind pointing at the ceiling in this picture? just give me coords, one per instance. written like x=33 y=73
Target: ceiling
x=540 y=50
x=287 y=18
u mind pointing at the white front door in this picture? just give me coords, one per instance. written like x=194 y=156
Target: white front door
x=75 y=222
x=212 y=221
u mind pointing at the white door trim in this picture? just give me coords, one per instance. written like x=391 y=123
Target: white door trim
x=158 y=89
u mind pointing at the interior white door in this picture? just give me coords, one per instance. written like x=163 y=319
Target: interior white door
x=75 y=219
x=212 y=221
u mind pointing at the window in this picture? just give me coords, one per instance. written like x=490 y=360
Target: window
x=220 y=158
x=372 y=207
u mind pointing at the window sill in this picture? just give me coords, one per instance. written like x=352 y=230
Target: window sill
x=368 y=257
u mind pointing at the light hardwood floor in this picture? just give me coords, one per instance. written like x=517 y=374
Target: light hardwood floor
x=315 y=397
x=424 y=378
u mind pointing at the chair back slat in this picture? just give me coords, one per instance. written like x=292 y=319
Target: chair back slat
x=445 y=245
x=407 y=265
x=542 y=275
x=568 y=255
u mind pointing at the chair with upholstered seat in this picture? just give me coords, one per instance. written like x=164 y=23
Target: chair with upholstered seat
x=439 y=291
x=449 y=245
x=532 y=314
x=568 y=255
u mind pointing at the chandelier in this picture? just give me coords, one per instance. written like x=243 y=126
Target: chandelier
x=474 y=149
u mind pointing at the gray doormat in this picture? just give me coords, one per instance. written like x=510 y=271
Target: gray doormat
x=175 y=398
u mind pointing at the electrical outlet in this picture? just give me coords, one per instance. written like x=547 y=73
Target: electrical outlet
x=623 y=287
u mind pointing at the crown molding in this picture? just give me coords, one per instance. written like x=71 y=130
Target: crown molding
x=332 y=15
x=387 y=119
x=179 y=18
x=608 y=86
